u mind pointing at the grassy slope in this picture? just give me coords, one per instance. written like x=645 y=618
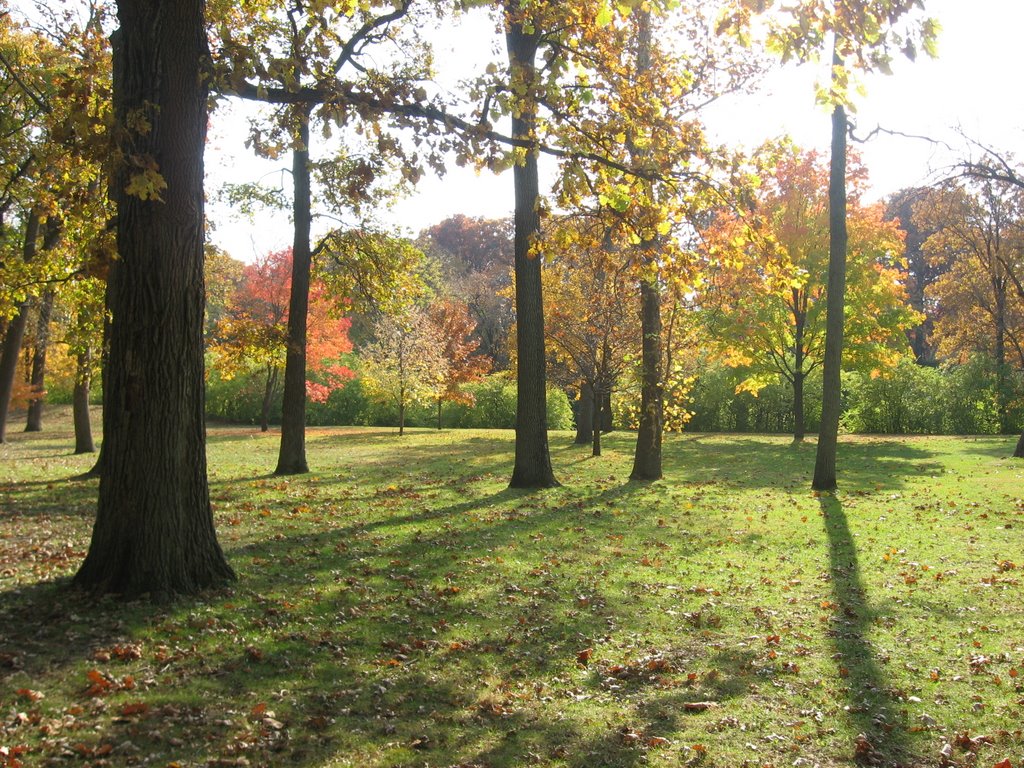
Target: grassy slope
x=401 y=607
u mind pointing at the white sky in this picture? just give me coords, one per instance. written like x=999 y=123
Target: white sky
x=972 y=85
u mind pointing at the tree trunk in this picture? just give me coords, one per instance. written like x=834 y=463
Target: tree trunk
x=1002 y=384
x=647 y=457
x=585 y=416
x=596 y=432
x=291 y=459
x=799 y=430
x=38 y=376
x=532 y=460
x=439 y=402
x=15 y=335
x=835 y=306
x=268 y=398
x=799 y=318
x=401 y=418
x=80 y=404
x=154 y=532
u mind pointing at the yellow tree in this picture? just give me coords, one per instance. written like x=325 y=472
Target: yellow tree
x=593 y=328
x=767 y=288
x=854 y=36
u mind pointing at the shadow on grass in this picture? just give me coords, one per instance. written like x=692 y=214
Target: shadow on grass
x=871 y=707
x=755 y=462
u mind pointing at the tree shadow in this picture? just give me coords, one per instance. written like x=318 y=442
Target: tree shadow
x=769 y=461
x=872 y=708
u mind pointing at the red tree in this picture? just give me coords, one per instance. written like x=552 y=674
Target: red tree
x=254 y=331
x=456 y=329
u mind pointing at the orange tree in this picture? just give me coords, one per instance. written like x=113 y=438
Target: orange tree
x=454 y=329
x=253 y=333
x=767 y=287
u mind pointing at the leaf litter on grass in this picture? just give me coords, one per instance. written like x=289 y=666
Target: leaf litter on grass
x=385 y=617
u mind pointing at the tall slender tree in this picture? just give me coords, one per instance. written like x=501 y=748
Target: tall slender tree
x=856 y=36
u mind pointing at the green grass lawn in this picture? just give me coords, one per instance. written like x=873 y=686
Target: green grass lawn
x=401 y=607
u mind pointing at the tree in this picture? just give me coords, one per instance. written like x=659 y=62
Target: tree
x=978 y=237
x=593 y=329
x=454 y=330
x=768 y=293
x=254 y=331
x=860 y=35
x=325 y=53
x=1001 y=169
x=475 y=255
x=919 y=271
x=404 y=364
x=154 y=531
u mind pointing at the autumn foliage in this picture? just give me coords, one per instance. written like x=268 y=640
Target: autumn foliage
x=253 y=332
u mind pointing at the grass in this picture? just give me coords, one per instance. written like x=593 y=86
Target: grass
x=400 y=606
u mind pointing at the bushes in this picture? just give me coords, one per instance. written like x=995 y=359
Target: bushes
x=955 y=399
x=908 y=399
x=239 y=400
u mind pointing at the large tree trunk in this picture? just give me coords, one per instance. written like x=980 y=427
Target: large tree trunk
x=15 y=335
x=38 y=376
x=596 y=432
x=835 y=306
x=585 y=416
x=80 y=404
x=647 y=456
x=291 y=459
x=533 y=461
x=154 y=532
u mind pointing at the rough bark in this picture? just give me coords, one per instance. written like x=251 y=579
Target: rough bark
x=596 y=432
x=37 y=379
x=15 y=335
x=835 y=304
x=80 y=404
x=532 y=460
x=291 y=459
x=154 y=533
x=585 y=416
x=647 y=456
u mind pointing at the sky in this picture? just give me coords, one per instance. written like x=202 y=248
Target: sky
x=971 y=88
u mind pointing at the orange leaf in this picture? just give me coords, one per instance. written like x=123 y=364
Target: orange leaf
x=583 y=657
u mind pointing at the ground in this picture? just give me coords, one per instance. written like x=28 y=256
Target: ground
x=400 y=606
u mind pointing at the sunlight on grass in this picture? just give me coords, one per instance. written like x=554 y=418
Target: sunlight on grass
x=400 y=606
